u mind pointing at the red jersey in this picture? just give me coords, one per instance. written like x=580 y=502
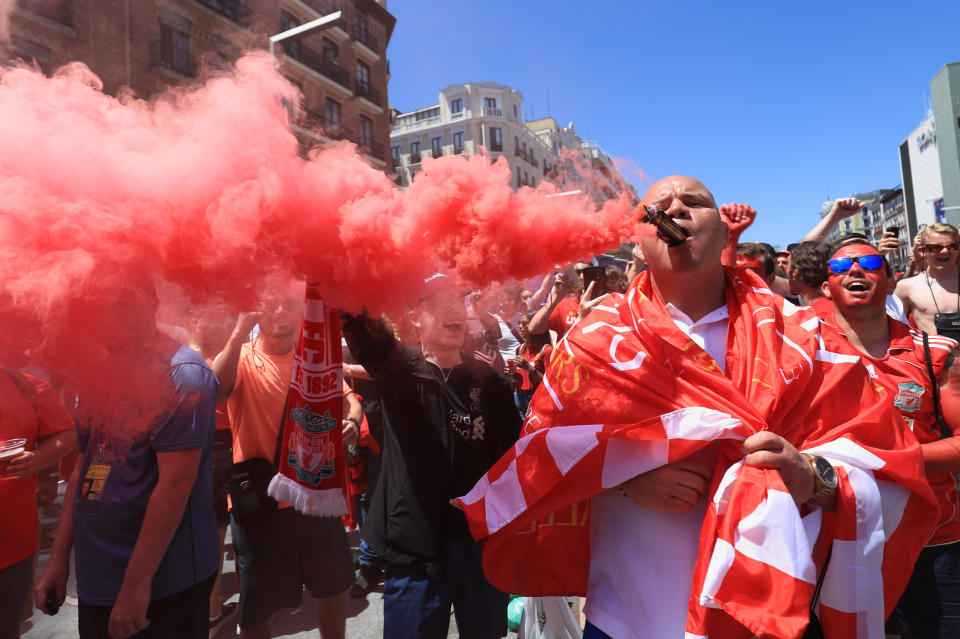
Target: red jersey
x=539 y=363
x=23 y=419
x=903 y=373
x=564 y=316
x=824 y=309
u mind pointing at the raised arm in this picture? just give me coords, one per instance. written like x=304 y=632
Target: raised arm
x=737 y=217
x=542 y=292
x=841 y=209
x=225 y=364
x=539 y=323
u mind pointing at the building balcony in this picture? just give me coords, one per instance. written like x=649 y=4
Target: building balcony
x=415 y=158
x=236 y=10
x=492 y=112
x=437 y=153
x=496 y=147
x=323 y=66
x=364 y=90
x=174 y=58
x=367 y=145
x=327 y=128
x=367 y=39
x=459 y=115
x=59 y=11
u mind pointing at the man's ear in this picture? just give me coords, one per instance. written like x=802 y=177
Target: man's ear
x=414 y=318
x=825 y=289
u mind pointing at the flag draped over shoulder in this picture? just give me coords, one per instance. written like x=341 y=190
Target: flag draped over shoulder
x=312 y=473
x=627 y=392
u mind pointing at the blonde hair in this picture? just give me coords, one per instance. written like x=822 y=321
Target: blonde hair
x=939 y=227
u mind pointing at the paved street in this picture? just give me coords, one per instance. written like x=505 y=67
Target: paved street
x=364 y=616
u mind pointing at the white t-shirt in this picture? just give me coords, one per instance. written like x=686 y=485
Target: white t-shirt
x=642 y=560
x=508 y=342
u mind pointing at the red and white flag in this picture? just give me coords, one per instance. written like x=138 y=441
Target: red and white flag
x=627 y=391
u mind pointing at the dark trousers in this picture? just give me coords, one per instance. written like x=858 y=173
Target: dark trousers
x=416 y=604
x=590 y=631
x=930 y=606
x=184 y=615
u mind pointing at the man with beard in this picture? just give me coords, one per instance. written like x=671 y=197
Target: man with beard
x=935 y=291
x=858 y=283
x=695 y=451
x=280 y=553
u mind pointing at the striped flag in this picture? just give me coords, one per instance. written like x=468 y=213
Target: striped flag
x=627 y=392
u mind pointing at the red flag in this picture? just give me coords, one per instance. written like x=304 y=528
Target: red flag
x=627 y=391
x=312 y=475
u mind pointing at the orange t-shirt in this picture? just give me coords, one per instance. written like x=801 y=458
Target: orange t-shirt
x=18 y=534
x=255 y=407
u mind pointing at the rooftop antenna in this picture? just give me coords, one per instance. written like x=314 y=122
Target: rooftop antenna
x=548 y=102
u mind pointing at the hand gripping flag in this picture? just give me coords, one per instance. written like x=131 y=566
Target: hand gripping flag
x=312 y=471
x=627 y=392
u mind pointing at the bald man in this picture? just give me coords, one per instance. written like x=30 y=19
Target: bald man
x=662 y=408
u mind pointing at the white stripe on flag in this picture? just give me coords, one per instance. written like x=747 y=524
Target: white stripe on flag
x=720 y=561
x=846 y=451
x=854 y=583
x=553 y=393
x=505 y=499
x=627 y=458
x=569 y=444
x=697 y=422
x=811 y=324
x=774 y=534
x=796 y=347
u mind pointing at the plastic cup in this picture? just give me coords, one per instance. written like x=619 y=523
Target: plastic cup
x=10 y=448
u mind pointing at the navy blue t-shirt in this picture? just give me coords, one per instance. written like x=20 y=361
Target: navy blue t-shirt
x=118 y=477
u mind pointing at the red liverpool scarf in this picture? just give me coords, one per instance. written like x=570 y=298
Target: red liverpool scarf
x=627 y=391
x=312 y=471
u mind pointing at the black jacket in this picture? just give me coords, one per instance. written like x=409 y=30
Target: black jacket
x=442 y=432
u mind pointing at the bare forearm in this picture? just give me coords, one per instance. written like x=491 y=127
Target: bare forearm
x=162 y=518
x=54 y=447
x=822 y=229
x=225 y=364
x=63 y=542
x=540 y=321
x=942 y=455
x=541 y=294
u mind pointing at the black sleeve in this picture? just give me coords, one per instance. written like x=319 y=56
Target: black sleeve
x=371 y=342
x=508 y=418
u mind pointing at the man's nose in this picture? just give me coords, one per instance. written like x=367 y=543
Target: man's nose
x=678 y=210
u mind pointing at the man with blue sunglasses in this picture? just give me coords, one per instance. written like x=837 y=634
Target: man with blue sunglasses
x=858 y=284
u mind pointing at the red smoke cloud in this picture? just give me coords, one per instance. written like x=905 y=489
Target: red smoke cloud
x=203 y=188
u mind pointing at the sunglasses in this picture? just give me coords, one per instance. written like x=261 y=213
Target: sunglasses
x=936 y=248
x=866 y=262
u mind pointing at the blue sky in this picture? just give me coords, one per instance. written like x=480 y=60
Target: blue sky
x=774 y=104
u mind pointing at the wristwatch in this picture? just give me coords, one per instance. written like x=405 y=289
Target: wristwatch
x=824 y=479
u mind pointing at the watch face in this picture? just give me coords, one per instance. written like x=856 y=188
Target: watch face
x=826 y=472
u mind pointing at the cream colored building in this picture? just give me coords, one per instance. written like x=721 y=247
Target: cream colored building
x=488 y=115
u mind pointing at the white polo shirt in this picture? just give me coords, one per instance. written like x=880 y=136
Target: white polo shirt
x=642 y=560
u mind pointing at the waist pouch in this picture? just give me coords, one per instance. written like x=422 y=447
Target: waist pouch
x=948 y=324
x=247 y=486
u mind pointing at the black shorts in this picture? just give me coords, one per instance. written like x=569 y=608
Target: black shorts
x=16 y=583
x=222 y=461
x=285 y=551
x=185 y=615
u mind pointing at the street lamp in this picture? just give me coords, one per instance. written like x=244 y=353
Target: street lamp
x=305 y=29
